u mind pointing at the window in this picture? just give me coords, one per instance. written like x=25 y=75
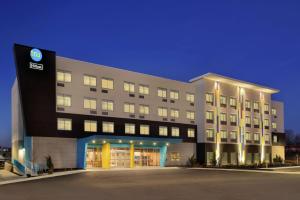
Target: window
x=275 y=138
x=108 y=127
x=223 y=101
x=143 y=89
x=174 y=156
x=256 y=106
x=248 y=136
x=64 y=124
x=174 y=95
x=266 y=108
x=191 y=133
x=90 y=126
x=107 y=105
x=256 y=122
x=256 y=137
x=233 y=135
x=162 y=92
x=267 y=138
x=209 y=98
x=274 y=112
x=63 y=100
x=129 y=128
x=274 y=125
x=107 y=83
x=89 y=104
x=144 y=109
x=174 y=113
x=162 y=112
x=89 y=80
x=232 y=102
x=163 y=131
x=223 y=118
x=267 y=123
x=223 y=134
x=248 y=105
x=209 y=116
x=248 y=121
x=129 y=107
x=144 y=129
x=175 y=132
x=233 y=119
x=210 y=133
x=63 y=76
x=129 y=87
x=190 y=97
x=190 y=115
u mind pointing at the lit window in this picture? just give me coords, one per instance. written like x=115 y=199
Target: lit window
x=223 y=134
x=175 y=132
x=267 y=138
x=266 y=108
x=191 y=133
x=89 y=104
x=144 y=129
x=266 y=122
x=129 y=128
x=256 y=137
x=144 y=109
x=275 y=138
x=190 y=97
x=248 y=120
x=162 y=112
x=209 y=115
x=190 y=115
x=143 y=89
x=89 y=80
x=256 y=122
x=174 y=113
x=163 y=131
x=162 y=92
x=175 y=156
x=90 y=126
x=174 y=95
x=63 y=76
x=256 y=106
x=248 y=105
x=128 y=107
x=232 y=102
x=223 y=117
x=210 y=133
x=209 y=98
x=274 y=125
x=107 y=83
x=233 y=118
x=129 y=87
x=223 y=100
x=63 y=100
x=108 y=127
x=233 y=135
x=248 y=136
x=64 y=124
x=107 y=105
x=274 y=112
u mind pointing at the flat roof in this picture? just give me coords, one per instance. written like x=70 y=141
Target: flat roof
x=232 y=81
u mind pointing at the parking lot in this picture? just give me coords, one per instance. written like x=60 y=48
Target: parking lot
x=158 y=184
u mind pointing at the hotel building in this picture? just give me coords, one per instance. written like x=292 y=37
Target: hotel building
x=86 y=115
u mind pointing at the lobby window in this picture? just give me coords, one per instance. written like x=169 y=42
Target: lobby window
x=256 y=107
x=89 y=80
x=63 y=100
x=232 y=102
x=107 y=105
x=64 y=124
x=256 y=137
x=274 y=125
x=144 y=129
x=63 y=77
x=107 y=83
x=223 y=101
x=256 y=122
x=190 y=115
x=163 y=131
x=191 y=133
x=223 y=135
x=162 y=112
x=209 y=98
x=248 y=121
x=107 y=127
x=174 y=156
x=128 y=107
x=275 y=138
x=174 y=113
x=267 y=123
x=210 y=134
x=233 y=120
x=129 y=87
x=266 y=109
x=223 y=118
x=144 y=110
x=233 y=135
x=129 y=128
x=209 y=117
x=143 y=89
x=248 y=105
x=174 y=95
x=90 y=126
x=248 y=136
x=161 y=92
x=175 y=131
x=190 y=97
x=274 y=112
x=89 y=104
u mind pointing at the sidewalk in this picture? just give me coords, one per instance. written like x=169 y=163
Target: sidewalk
x=6 y=176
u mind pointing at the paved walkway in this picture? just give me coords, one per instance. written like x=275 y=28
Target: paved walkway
x=6 y=176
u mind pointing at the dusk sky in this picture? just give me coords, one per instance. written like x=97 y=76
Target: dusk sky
x=249 y=40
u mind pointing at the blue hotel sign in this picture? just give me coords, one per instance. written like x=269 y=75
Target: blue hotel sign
x=36 y=55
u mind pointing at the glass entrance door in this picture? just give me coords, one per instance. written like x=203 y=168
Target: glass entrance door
x=93 y=157
x=146 y=157
x=120 y=158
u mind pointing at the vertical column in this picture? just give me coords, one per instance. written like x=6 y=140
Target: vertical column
x=262 y=138
x=106 y=156
x=163 y=155
x=241 y=124
x=81 y=153
x=131 y=155
x=217 y=121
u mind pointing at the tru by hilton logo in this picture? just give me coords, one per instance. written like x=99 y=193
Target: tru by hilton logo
x=36 y=55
